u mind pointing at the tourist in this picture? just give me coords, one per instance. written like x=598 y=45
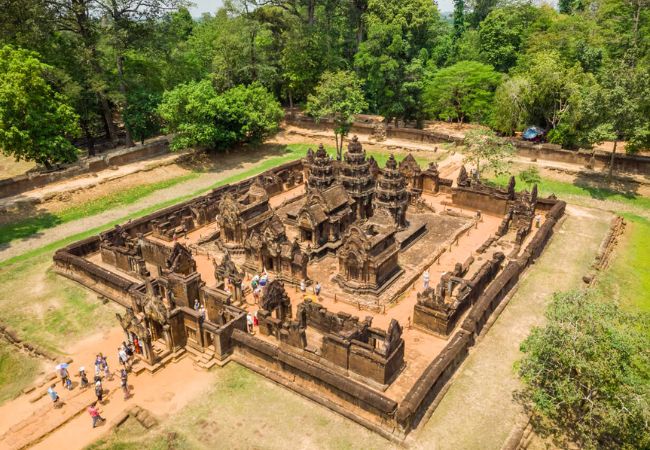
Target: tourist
x=538 y=220
x=65 y=377
x=98 y=364
x=123 y=357
x=124 y=383
x=256 y=322
x=53 y=395
x=99 y=391
x=84 y=378
x=255 y=281
x=249 y=322
x=136 y=345
x=197 y=305
x=425 y=278
x=94 y=413
x=202 y=314
x=302 y=286
x=107 y=371
x=127 y=349
x=256 y=294
x=317 y=288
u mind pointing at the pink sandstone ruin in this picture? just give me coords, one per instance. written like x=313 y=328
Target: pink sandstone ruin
x=375 y=345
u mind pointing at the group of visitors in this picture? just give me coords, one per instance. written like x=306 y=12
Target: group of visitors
x=125 y=354
x=316 y=287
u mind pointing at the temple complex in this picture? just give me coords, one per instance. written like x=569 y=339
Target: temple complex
x=369 y=284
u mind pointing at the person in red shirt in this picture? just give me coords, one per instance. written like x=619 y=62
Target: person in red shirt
x=94 y=413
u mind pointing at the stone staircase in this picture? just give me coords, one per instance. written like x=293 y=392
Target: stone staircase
x=204 y=358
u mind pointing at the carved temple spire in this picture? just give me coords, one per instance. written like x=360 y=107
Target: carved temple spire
x=391 y=194
x=321 y=171
x=356 y=178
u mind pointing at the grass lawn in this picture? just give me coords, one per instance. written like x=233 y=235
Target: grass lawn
x=627 y=279
x=47 y=309
x=33 y=225
x=566 y=190
x=17 y=370
x=244 y=410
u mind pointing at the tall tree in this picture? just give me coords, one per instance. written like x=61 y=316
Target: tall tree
x=36 y=123
x=338 y=96
x=585 y=374
x=459 y=18
x=462 y=92
x=399 y=34
x=120 y=23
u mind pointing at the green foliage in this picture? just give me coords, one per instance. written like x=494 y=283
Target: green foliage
x=462 y=92
x=487 y=151
x=36 y=122
x=391 y=59
x=199 y=117
x=503 y=33
x=339 y=97
x=586 y=373
x=140 y=115
x=530 y=176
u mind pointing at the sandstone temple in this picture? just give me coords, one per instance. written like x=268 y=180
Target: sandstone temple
x=410 y=267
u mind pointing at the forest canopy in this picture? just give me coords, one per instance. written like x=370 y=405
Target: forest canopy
x=580 y=72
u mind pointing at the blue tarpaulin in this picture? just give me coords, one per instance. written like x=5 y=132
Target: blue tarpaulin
x=532 y=133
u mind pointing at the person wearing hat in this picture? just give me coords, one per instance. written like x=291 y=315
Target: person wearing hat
x=99 y=391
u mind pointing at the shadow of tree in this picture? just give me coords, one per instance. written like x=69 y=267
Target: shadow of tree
x=599 y=187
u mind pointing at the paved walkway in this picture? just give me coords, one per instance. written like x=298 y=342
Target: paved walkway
x=478 y=411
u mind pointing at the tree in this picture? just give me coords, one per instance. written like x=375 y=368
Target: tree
x=503 y=32
x=337 y=96
x=586 y=372
x=623 y=106
x=140 y=116
x=462 y=91
x=510 y=106
x=459 y=18
x=200 y=117
x=485 y=150
x=36 y=122
x=398 y=38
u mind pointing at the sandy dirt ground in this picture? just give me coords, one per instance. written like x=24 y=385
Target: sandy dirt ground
x=162 y=393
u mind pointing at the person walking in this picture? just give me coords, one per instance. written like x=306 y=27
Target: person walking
x=317 y=288
x=98 y=364
x=99 y=391
x=53 y=395
x=302 y=286
x=84 y=378
x=94 y=413
x=425 y=279
x=107 y=370
x=124 y=383
x=123 y=357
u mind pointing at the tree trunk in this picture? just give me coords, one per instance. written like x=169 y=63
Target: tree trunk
x=311 y=11
x=611 y=161
x=90 y=141
x=107 y=115
x=128 y=140
x=290 y=100
x=338 y=154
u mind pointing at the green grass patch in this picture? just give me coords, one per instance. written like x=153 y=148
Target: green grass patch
x=47 y=309
x=33 y=225
x=627 y=279
x=17 y=371
x=579 y=189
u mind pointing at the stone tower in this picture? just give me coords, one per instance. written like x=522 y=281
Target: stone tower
x=356 y=178
x=391 y=194
x=321 y=171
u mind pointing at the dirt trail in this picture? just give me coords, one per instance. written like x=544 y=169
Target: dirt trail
x=481 y=395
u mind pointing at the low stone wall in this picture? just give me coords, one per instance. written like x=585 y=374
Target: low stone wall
x=549 y=152
x=23 y=183
x=292 y=362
